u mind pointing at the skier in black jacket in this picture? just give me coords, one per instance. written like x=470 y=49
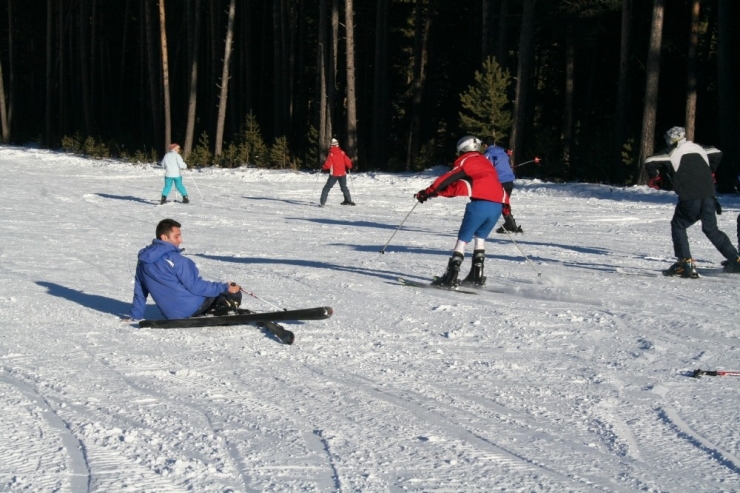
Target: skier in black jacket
x=690 y=167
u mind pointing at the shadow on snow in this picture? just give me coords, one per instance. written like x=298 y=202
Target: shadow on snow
x=96 y=302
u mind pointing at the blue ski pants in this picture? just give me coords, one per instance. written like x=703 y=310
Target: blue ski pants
x=177 y=180
x=479 y=219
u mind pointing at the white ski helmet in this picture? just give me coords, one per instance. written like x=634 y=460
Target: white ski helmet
x=334 y=142
x=468 y=144
x=674 y=135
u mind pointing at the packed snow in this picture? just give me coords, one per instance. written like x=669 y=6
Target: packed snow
x=571 y=372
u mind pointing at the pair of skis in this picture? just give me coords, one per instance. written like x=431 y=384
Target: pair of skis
x=715 y=373
x=416 y=284
x=244 y=317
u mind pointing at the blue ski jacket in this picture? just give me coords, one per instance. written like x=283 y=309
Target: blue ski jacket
x=172 y=280
x=500 y=160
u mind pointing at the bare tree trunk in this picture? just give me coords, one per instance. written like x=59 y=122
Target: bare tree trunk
x=691 y=71
x=620 y=116
x=49 y=58
x=570 y=63
x=523 y=79
x=194 y=19
x=85 y=66
x=651 y=90
x=380 y=85
x=153 y=72
x=62 y=83
x=277 y=55
x=122 y=68
x=728 y=136
x=351 y=97
x=93 y=65
x=222 y=100
x=3 y=111
x=165 y=76
x=11 y=68
x=485 y=48
x=331 y=79
x=422 y=27
x=298 y=110
x=323 y=73
x=503 y=35
x=285 y=62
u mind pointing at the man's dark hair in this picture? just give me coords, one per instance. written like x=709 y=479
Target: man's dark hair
x=490 y=141
x=165 y=227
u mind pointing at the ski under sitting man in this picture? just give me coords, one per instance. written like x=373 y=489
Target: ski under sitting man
x=337 y=164
x=174 y=282
x=690 y=168
x=471 y=175
x=499 y=158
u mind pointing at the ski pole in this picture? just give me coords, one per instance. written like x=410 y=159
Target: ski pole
x=382 y=250
x=712 y=373
x=196 y=186
x=539 y=274
x=535 y=161
x=351 y=183
x=262 y=300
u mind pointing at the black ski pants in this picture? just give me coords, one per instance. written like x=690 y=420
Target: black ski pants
x=330 y=183
x=689 y=212
x=508 y=188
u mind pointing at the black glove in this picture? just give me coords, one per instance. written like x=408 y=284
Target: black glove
x=422 y=196
x=717 y=207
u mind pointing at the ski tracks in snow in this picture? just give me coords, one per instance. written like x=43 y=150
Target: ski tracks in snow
x=456 y=438
x=35 y=460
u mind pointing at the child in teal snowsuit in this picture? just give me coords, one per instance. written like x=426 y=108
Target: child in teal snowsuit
x=172 y=164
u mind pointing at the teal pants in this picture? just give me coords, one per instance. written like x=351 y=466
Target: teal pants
x=177 y=180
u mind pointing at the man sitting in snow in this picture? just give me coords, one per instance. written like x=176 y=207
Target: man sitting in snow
x=174 y=282
x=690 y=167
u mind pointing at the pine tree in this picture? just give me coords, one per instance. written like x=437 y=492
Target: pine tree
x=253 y=149
x=484 y=102
x=280 y=153
x=201 y=155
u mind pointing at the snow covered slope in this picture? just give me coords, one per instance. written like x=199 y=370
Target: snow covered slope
x=568 y=375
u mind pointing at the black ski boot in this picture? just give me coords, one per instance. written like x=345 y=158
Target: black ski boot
x=684 y=267
x=732 y=266
x=225 y=304
x=163 y=200
x=185 y=200
x=476 y=277
x=509 y=225
x=453 y=269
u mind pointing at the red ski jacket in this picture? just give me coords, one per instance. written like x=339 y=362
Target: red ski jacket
x=337 y=162
x=472 y=175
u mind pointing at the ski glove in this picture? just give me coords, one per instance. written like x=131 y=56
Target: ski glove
x=422 y=196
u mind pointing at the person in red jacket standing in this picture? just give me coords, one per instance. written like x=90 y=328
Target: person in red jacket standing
x=472 y=175
x=337 y=165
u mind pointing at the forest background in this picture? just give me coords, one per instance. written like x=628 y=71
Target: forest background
x=589 y=86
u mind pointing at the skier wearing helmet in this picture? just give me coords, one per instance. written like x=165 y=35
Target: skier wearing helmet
x=471 y=175
x=689 y=167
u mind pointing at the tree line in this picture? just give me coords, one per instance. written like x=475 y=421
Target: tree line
x=589 y=86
